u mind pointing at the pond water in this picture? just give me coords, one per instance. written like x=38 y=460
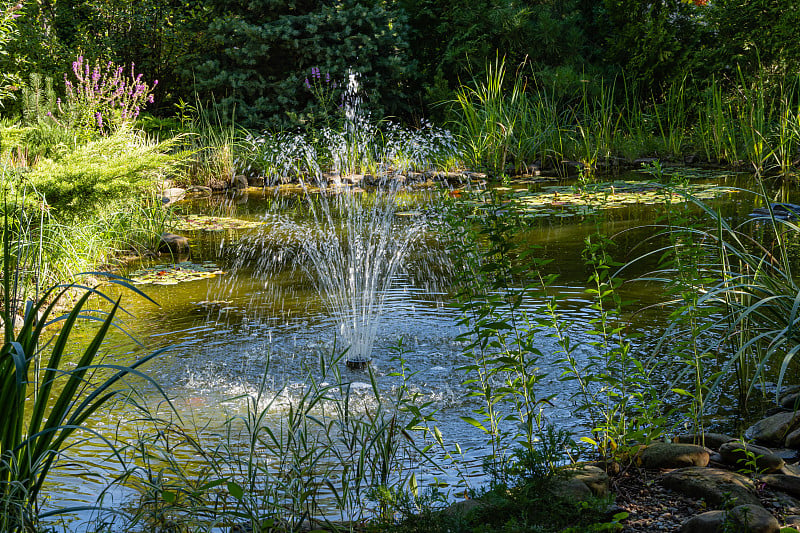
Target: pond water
x=263 y=320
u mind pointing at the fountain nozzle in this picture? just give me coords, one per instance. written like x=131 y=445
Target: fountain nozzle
x=357 y=364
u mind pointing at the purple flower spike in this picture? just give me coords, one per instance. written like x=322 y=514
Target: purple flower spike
x=308 y=85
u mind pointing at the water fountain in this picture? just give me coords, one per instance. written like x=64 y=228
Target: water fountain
x=354 y=244
x=350 y=242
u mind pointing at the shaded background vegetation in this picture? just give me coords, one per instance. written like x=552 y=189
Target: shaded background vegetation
x=252 y=56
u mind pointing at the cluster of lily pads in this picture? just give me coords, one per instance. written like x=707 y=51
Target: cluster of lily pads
x=174 y=273
x=211 y=223
x=569 y=201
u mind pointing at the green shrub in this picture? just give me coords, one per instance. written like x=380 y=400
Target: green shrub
x=108 y=169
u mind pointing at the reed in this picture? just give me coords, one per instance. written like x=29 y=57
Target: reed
x=47 y=398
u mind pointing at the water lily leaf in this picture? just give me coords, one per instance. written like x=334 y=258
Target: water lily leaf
x=172 y=274
x=209 y=223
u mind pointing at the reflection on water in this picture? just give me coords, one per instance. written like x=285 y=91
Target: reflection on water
x=224 y=330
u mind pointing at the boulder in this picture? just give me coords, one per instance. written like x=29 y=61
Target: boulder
x=593 y=477
x=783 y=483
x=172 y=195
x=710 y=440
x=571 y=489
x=773 y=430
x=737 y=454
x=580 y=482
x=742 y=518
x=753 y=519
x=708 y=522
x=793 y=440
x=790 y=399
x=715 y=485
x=239 y=182
x=173 y=244
x=671 y=455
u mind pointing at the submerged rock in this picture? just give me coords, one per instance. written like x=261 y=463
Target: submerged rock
x=173 y=244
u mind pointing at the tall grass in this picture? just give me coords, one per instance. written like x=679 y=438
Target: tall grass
x=320 y=455
x=737 y=294
x=47 y=397
x=505 y=123
x=212 y=142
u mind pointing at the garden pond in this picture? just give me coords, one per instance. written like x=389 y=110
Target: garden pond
x=238 y=315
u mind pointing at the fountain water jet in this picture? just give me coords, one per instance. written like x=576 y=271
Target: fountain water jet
x=354 y=246
x=349 y=243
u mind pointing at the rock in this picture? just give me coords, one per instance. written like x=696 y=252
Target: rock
x=715 y=485
x=793 y=520
x=239 y=182
x=463 y=507
x=735 y=454
x=742 y=518
x=793 y=440
x=172 y=195
x=790 y=399
x=669 y=455
x=709 y=440
x=788 y=484
x=791 y=470
x=707 y=522
x=787 y=454
x=581 y=482
x=753 y=519
x=593 y=477
x=784 y=503
x=256 y=181
x=199 y=190
x=773 y=430
x=173 y=244
x=571 y=489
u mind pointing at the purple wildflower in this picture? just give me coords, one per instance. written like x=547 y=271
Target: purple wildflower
x=308 y=85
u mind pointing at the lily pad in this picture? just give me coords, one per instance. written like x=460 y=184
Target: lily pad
x=175 y=273
x=564 y=201
x=209 y=223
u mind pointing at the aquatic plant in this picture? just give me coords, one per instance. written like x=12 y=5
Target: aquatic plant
x=335 y=454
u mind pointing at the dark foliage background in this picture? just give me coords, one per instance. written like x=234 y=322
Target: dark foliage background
x=252 y=56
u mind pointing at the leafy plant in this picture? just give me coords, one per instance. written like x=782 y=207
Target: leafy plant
x=46 y=401
x=105 y=170
x=500 y=341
